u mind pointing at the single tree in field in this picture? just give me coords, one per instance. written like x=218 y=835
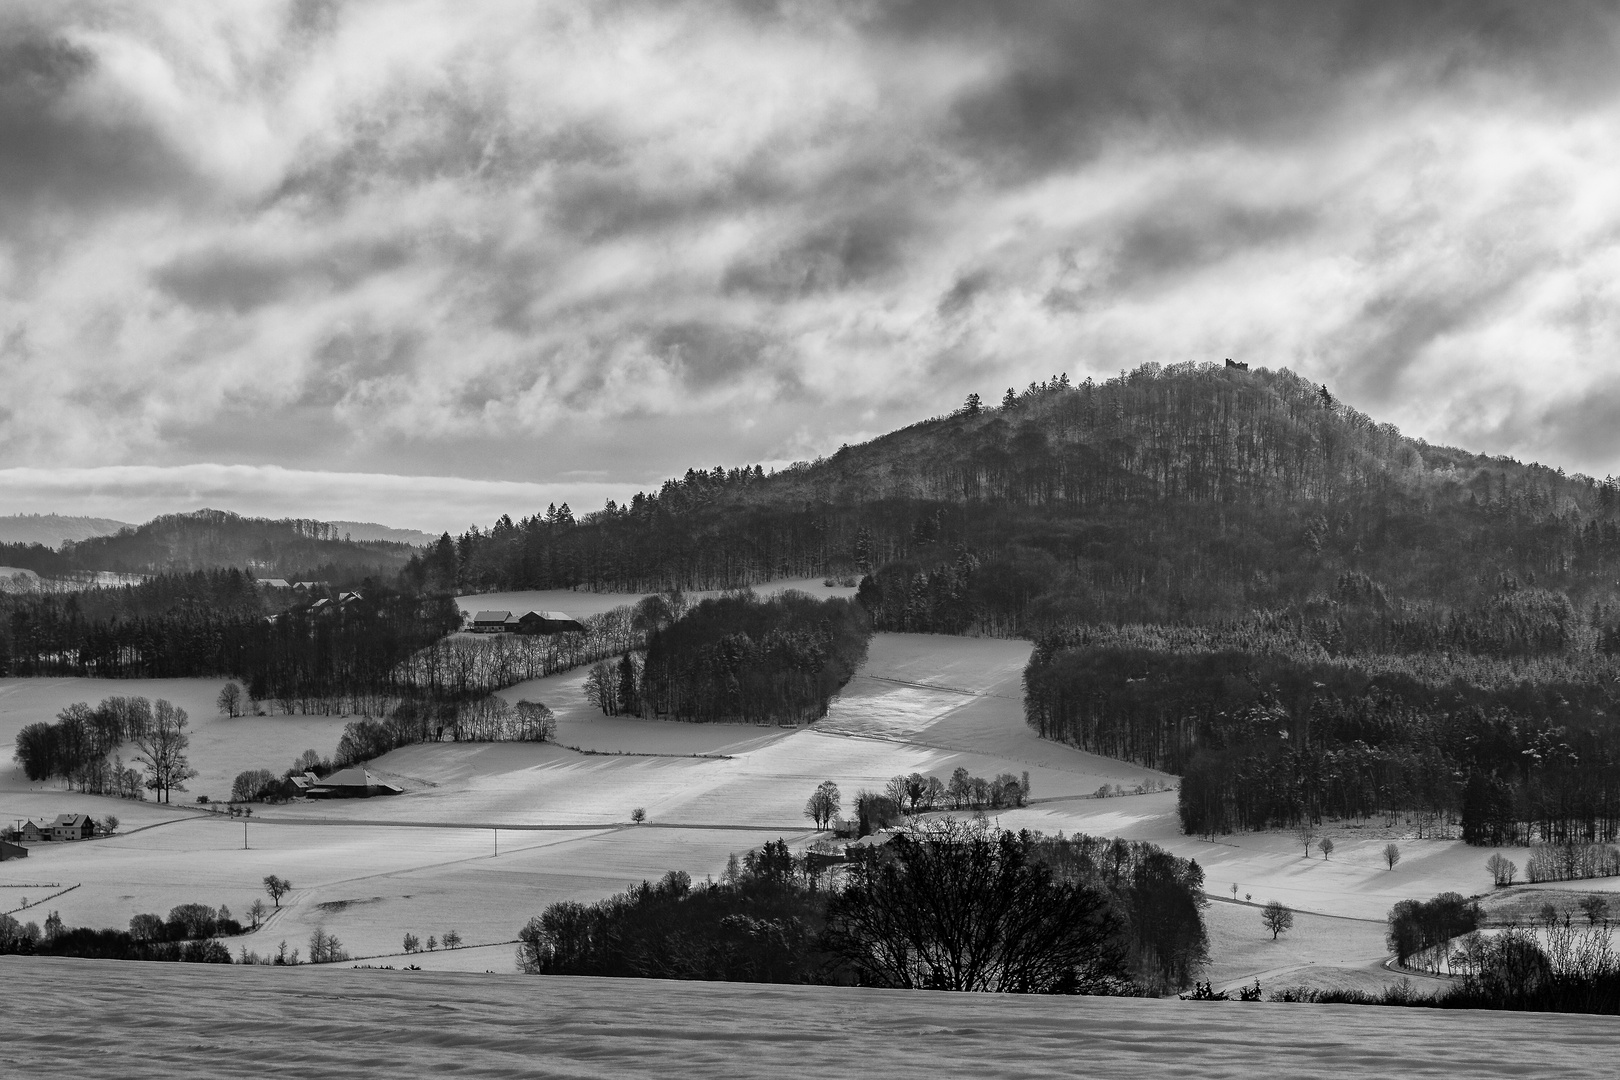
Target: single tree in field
x=256 y=912
x=1305 y=833
x=1234 y=892
x=109 y=824
x=277 y=887
x=1392 y=855
x=1326 y=846
x=230 y=700
x=412 y=943
x=638 y=815
x=433 y=943
x=1596 y=907
x=451 y=939
x=163 y=750
x=823 y=804
x=1276 y=918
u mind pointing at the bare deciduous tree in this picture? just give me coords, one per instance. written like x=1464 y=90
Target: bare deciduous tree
x=823 y=804
x=1503 y=871
x=1392 y=855
x=163 y=750
x=1305 y=833
x=1326 y=846
x=638 y=815
x=277 y=887
x=230 y=700
x=1277 y=918
x=256 y=912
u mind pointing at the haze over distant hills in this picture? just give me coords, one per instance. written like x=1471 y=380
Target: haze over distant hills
x=52 y=529
x=360 y=531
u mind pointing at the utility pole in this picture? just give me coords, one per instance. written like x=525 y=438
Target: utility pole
x=497 y=843
x=244 y=836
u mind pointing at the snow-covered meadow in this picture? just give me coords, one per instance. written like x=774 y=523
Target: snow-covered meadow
x=425 y=862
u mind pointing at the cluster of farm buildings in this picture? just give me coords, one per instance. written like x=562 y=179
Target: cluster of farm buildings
x=65 y=827
x=530 y=622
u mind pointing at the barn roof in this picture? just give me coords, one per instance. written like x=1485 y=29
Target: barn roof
x=353 y=777
x=553 y=620
x=492 y=616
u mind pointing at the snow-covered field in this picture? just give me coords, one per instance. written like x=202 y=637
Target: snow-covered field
x=221 y=747
x=99 y=1019
x=425 y=862
x=579 y=602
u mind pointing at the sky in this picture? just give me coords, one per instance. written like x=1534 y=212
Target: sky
x=425 y=262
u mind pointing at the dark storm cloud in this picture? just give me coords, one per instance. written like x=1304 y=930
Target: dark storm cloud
x=53 y=151
x=1073 y=74
x=772 y=226
x=242 y=280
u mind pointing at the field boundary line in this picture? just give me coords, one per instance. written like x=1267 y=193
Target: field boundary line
x=42 y=900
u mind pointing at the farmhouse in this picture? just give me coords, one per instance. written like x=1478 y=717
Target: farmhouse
x=73 y=827
x=532 y=622
x=548 y=622
x=65 y=827
x=8 y=850
x=352 y=783
x=493 y=622
x=275 y=583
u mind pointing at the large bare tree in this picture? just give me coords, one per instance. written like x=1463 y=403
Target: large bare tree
x=163 y=750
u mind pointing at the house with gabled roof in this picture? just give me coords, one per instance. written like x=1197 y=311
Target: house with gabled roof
x=490 y=622
x=73 y=827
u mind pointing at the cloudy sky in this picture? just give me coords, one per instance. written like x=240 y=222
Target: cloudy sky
x=424 y=262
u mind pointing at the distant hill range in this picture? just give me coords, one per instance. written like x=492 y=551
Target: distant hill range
x=369 y=530
x=217 y=539
x=52 y=530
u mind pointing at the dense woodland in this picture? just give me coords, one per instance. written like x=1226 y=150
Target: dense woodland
x=947 y=906
x=734 y=658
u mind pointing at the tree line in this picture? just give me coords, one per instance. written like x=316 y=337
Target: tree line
x=946 y=905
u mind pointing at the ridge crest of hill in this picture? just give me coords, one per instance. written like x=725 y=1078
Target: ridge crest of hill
x=52 y=530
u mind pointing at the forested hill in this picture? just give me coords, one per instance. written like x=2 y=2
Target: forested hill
x=1193 y=493
x=217 y=539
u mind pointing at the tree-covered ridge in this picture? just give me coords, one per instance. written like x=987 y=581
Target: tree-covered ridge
x=1164 y=495
x=216 y=539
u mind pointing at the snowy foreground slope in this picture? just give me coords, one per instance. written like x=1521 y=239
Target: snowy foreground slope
x=105 y=1019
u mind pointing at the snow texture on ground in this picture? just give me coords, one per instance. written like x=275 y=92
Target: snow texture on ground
x=132 y=1021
